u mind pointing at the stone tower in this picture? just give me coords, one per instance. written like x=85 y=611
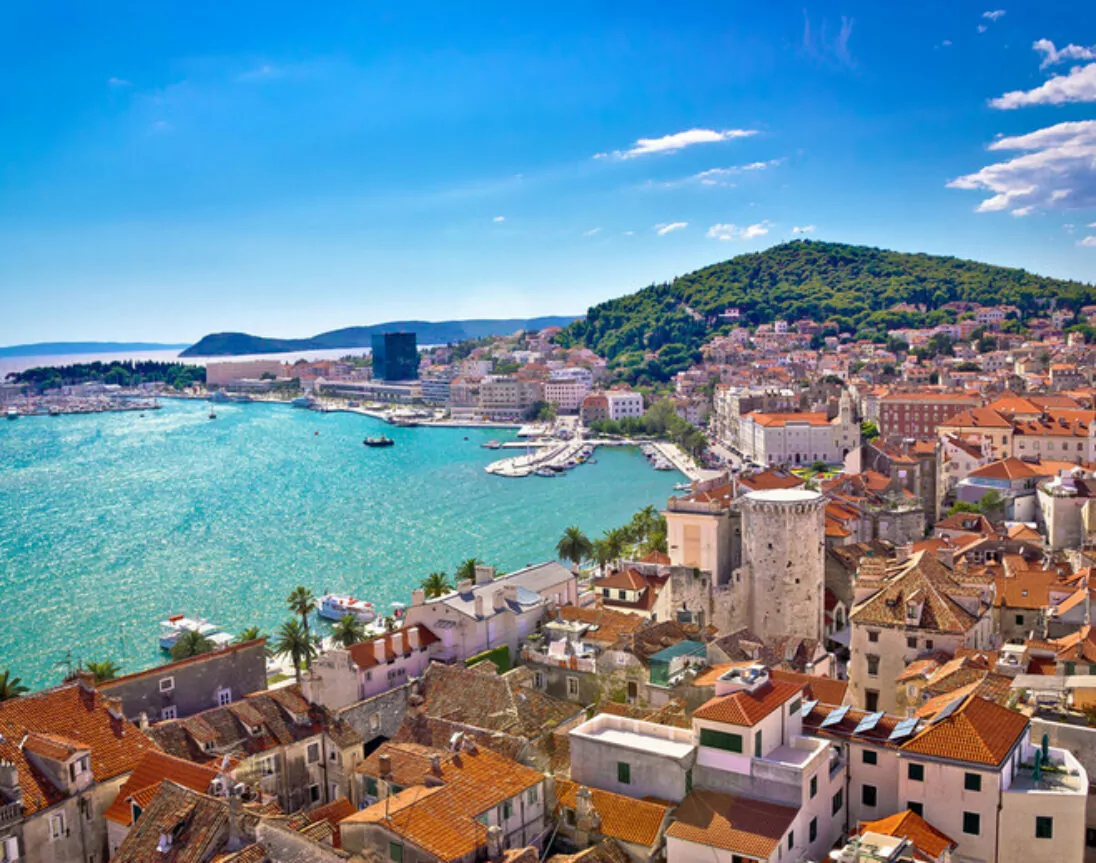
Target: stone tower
x=783 y=562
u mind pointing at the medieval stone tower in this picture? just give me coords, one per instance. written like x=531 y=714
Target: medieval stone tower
x=783 y=572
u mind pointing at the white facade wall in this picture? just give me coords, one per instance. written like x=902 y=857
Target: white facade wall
x=623 y=405
x=566 y=394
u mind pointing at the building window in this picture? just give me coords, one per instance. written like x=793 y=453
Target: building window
x=572 y=687
x=395 y=852
x=791 y=839
x=869 y=757
x=169 y=712
x=873 y=665
x=370 y=786
x=916 y=808
x=721 y=740
x=507 y=810
x=314 y=793
x=538 y=679
x=795 y=707
x=224 y=696
x=911 y=642
x=928 y=644
x=757 y=744
x=1044 y=827
x=873 y=637
x=916 y=773
x=267 y=766
x=814 y=785
x=972 y=781
x=167 y=684
x=532 y=796
x=838 y=802
x=624 y=773
x=813 y=830
x=1019 y=620
x=313 y=752
x=57 y=825
x=868 y=795
x=972 y=823
x=871 y=700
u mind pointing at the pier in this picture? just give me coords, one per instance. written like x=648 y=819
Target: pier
x=550 y=457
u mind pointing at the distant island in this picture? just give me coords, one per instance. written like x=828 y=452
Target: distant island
x=428 y=332
x=44 y=349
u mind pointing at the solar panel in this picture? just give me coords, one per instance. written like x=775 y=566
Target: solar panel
x=806 y=709
x=904 y=728
x=868 y=722
x=835 y=716
x=949 y=710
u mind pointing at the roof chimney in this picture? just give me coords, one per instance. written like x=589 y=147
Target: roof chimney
x=413 y=637
x=397 y=642
x=418 y=596
x=435 y=764
x=384 y=764
x=465 y=586
x=114 y=707
x=86 y=680
x=379 y=651
x=10 y=789
x=485 y=574
x=479 y=605
x=498 y=602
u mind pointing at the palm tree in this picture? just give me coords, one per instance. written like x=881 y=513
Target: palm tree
x=467 y=569
x=190 y=643
x=615 y=540
x=294 y=641
x=301 y=602
x=105 y=670
x=574 y=546
x=348 y=630
x=436 y=584
x=250 y=633
x=602 y=553
x=10 y=687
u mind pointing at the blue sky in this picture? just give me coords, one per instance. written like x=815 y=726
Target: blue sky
x=170 y=169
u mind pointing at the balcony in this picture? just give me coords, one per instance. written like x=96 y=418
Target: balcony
x=1063 y=775
x=586 y=664
x=10 y=813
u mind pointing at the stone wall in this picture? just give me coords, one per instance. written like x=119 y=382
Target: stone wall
x=377 y=718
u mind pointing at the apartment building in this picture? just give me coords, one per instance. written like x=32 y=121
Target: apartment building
x=917 y=414
x=624 y=403
x=508 y=397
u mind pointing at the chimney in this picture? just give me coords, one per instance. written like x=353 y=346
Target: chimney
x=237 y=839
x=114 y=707
x=10 y=789
x=903 y=552
x=587 y=819
x=142 y=721
x=494 y=843
x=498 y=602
x=379 y=651
x=485 y=574
x=384 y=764
x=469 y=744
x=479 y=605
x=413 y=637
x=418 y=596
x=397 y=643
x=435 y=764
x=86 y=680
x=465 y=586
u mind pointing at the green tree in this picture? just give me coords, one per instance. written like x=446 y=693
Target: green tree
x=991 y=504
x=963 y=506
x=105 y=670
x=869 y=430
x=348 y=630
x=466 y=571
x=190 y=643
x=294 y=642
x=10 y=687
x=301 y=602
x=436 y=584
x=249 y=633
x=603 y=552
x=574 y=546
x=616 y=540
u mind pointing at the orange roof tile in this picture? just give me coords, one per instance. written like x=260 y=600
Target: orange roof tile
x=979 y=731
x=737 y=824
x=909 y=825
x=364 y=653
x=144 y=782
x=748 y=708
x=625 y=579
x=828 y=690
x=623 y=818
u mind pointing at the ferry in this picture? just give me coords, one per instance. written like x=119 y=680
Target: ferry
x=334 y=606
x=378 y=441
x=173 y=628
x=12 y=414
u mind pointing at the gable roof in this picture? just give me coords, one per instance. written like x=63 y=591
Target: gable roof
x=828 y=690
x=737 y=824
x=67 y=718
x=979 y=731
x=748 y=708
x=623 y=818
x=144 y=781
x=364 y=653
x=909 y=825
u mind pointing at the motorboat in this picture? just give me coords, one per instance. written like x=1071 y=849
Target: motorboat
x=213 y=414
x=335 y=606
x=378 y=441
x=683 y=486
x=172 y=629
x=12 y=414
x=303 y=402
x=491 y=444
x=545 y=471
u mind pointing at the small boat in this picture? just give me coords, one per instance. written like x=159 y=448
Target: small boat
x=545 y=471
x=491 y=444
x=213 y=415
x=378 y=441
x=172 y=629
x=12 y=414
x=303 y=402
x=334 y=606
x=683 y=486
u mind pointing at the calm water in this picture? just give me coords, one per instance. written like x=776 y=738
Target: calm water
x=109 y=523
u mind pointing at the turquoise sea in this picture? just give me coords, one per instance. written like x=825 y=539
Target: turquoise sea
x=111 y=522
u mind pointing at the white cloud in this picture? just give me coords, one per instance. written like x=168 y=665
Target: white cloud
x=1093 y=225
x=804 y=229
x=499 y=219
x=1057 y=170
x=946 y=43
x=727 y=231
x=994 y=15
x=982 y=28
x=1053 y=56
x=629 y=233
x=591 y=232
x=1020 y=212
x=819 y=45
x=118 y=82
x=1078 y=86
x=677 y=141
x=667 y=227
x=260 y=73
x=1089 y=241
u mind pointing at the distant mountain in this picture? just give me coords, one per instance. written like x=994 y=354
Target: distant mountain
x=42 y=349
x=428 y=332
x=853 y=287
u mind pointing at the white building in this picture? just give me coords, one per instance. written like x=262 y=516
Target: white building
x=566 y=393
x=799 y=437
x=624 y=403
x=230 y=371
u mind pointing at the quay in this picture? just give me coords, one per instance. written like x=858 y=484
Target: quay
x=555 y=458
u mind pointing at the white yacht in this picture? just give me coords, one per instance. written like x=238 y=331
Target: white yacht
x=335 y=606
x=173 y=628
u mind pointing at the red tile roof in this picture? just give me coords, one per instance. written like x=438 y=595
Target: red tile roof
x=979 y=731
x=144 y=782
x=740 y=825
x=909 y=825
x=748 y=708
x=623 y=818
x=828 y=690
x=364 y=653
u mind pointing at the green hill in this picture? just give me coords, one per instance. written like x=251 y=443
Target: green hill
x=850 y=286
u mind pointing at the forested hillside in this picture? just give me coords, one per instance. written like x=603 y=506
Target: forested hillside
x=851 y=286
